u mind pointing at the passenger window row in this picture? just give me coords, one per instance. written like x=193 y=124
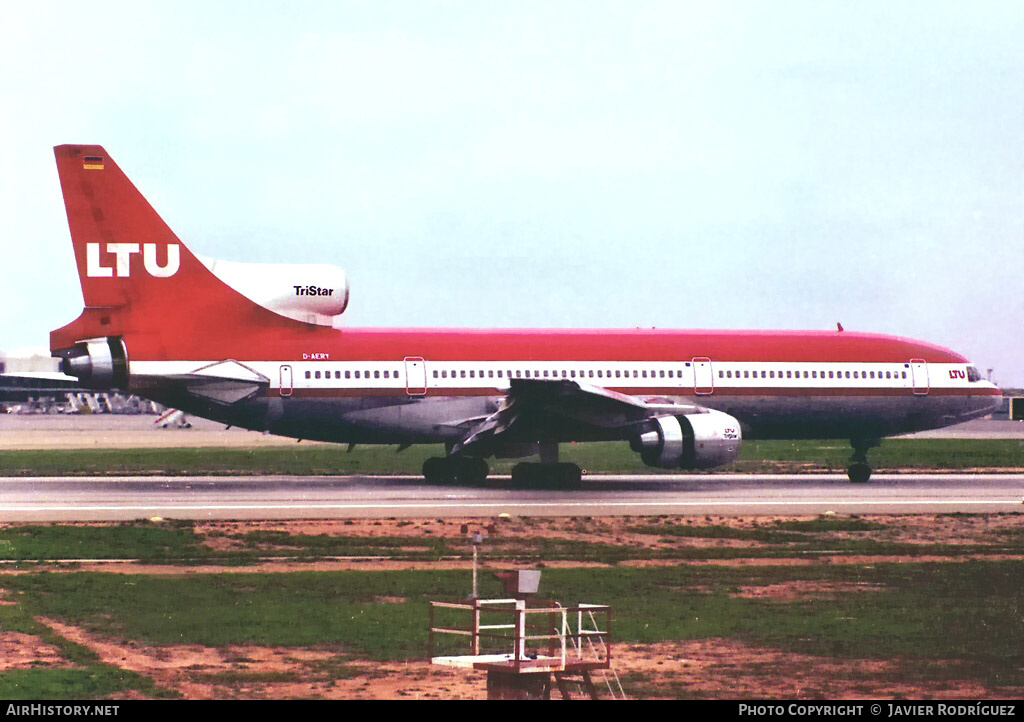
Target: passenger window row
x=554 y=374
x=352 y=374
x=507 y=373
x=790 y=374
x=609 y=374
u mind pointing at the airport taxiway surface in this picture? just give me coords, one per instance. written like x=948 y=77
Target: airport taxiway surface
x=333 y=497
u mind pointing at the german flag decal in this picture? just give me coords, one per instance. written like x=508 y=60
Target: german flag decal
x=92 y=162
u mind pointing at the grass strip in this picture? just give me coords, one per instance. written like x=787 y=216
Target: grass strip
x=83 y=677
x=177 y=542
x=965 y=612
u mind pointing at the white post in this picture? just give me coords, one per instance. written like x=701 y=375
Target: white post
x=474 y=571
x=477 y=539
x=521 y=620
x=476 y=623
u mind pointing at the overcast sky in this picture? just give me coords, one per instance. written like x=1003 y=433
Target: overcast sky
x=557 y=164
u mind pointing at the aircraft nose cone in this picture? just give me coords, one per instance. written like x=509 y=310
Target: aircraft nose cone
x=985 y=405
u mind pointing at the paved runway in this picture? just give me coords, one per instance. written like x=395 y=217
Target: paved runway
x=334 y=497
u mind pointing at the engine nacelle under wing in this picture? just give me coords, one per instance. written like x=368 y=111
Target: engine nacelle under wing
x=690 y=441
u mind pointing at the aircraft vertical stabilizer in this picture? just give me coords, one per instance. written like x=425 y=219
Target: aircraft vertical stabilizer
x=137 y=276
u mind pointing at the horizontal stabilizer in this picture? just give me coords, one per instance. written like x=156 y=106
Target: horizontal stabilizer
x=224 y=382
x=222 y=391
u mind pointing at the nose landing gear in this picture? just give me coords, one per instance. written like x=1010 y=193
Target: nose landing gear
x=859 y=470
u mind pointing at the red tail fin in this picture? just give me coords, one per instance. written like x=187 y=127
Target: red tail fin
x=124 y=250
x=137 y=277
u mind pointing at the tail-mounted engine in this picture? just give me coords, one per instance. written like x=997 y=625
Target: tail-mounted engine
x=691 y=441
x=99 y=363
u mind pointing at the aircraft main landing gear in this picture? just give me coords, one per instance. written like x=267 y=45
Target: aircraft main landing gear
x=859 y=470
x=455 y=470
x=539 y=475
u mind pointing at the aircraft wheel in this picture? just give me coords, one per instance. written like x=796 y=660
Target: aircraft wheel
x=471 y=470
x=569 y=475
x=859 y=473
x=524 y=474
x=545 y=475
x=436 y=470
x=859 y=470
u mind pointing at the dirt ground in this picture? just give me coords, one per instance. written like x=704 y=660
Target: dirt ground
x=711 y=668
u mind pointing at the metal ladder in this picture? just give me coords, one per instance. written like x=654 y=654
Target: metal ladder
x=582 y=642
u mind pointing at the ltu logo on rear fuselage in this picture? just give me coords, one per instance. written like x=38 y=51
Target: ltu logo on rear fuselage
x=123 y=252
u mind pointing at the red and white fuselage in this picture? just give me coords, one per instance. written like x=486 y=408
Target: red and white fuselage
x=778 y=384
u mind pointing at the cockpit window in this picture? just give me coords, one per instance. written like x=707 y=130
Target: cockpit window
x=972 y=374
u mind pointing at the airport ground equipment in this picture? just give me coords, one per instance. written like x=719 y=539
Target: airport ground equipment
x=525 y=645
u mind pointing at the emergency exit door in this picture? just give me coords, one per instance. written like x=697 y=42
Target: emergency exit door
x=285 y=387
x=703 y=376
x=415 y=376
x=919 y=372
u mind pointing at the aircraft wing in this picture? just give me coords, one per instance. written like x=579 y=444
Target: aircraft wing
x=530 y=402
